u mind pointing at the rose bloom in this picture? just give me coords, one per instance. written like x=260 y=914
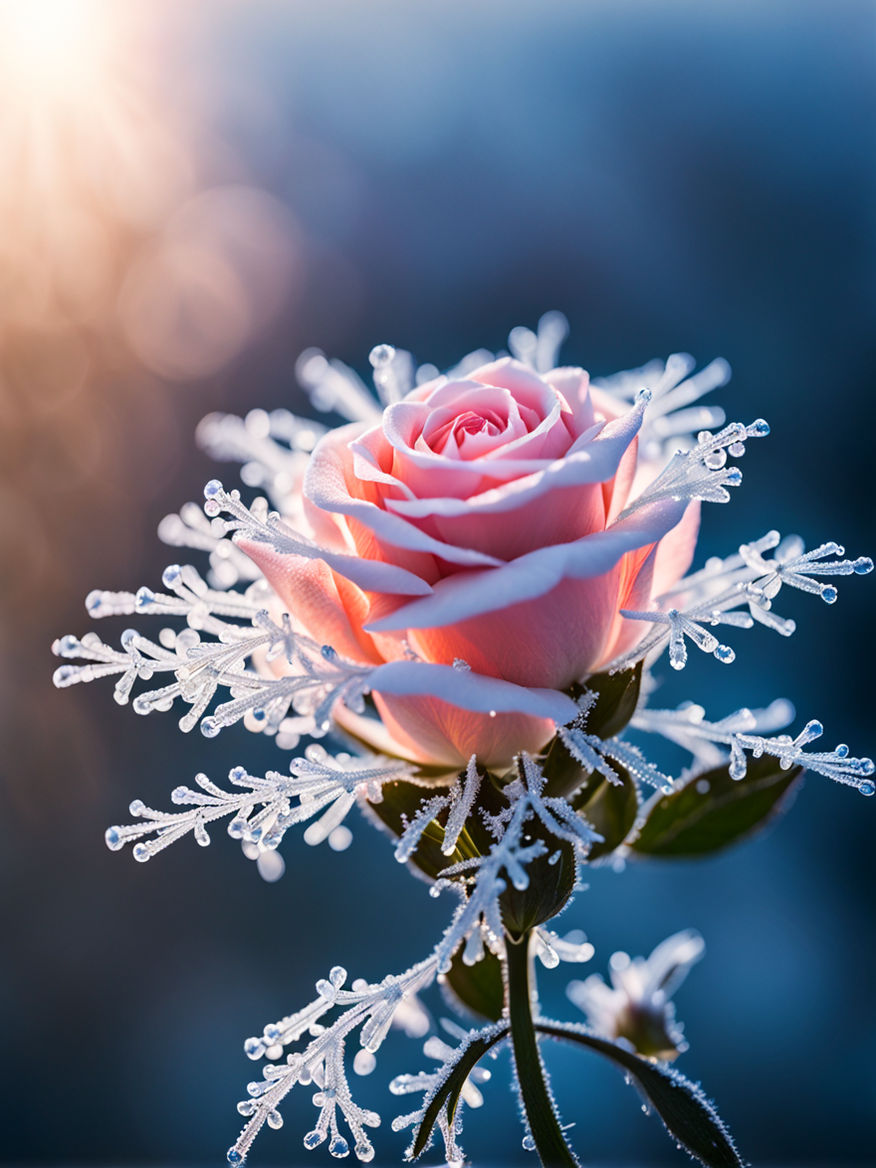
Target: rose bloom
x=477 y=522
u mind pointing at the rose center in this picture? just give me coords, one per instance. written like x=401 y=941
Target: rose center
x=472 y=423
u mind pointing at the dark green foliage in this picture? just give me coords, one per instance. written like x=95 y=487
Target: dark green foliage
x=688 y=1115
x=699 y=819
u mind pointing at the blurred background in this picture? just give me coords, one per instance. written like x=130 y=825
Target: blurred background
x=191 y=194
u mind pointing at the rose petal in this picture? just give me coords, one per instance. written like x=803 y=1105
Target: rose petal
x=470 y=594
x=325 y=484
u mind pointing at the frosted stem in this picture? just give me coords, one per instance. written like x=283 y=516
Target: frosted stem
x=544 y=1127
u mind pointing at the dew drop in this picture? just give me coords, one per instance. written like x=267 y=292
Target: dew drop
x=113 y=839
x=364 y=1063
x=379 y=356
x=210 y=727
x=234 y=1157
x=254 y=1048
x=275 y=1120
x=212 y=489
x=141 y=853
x=528 y=1143
x=339 y=1147
x=829 y=594
x=863 y=565
x=364 y=1152
x=759 y=428
x=724 y=654
x=313 y=1139
x=867 y=787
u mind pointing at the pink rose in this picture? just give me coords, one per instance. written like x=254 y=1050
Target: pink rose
x=478 y=523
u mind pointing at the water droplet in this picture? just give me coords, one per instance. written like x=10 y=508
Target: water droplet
x=725 y=654
x=759 y=428
x=144 y=598
x=179 y=794
x=254 y=1048
x=829 y=594
x=141 y=853
x=364 y=1152
x=863 y=565
x=364 y=1062
x=313 y=1139
x=337 y=975
x=246 y=1108
x=212 y=489
x=136 y=807
x=94 y=600
x=170 y=575
x=210 y=727
x=113 y=839
x=234 y=1157
x=275 y=1120
x=737 y=449
x=528 y=1143
x=379 y=356
x=867 y=787
x=339 y=1147
x=733 y=477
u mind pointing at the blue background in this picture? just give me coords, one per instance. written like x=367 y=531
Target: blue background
x=671 y=176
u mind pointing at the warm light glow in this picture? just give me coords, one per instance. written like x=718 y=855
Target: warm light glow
x=49 y=46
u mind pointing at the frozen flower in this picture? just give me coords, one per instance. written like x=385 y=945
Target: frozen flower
x=637 y=1005
x=480 y=518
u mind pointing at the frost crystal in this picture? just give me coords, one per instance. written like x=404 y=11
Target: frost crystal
x=370 y=1009
x=749 y=580
x=319 y=785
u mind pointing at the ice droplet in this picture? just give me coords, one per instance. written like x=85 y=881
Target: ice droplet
x=364 y=1063
x=528 y=1143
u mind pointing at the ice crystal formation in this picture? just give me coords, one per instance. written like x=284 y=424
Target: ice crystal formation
x=505 y=848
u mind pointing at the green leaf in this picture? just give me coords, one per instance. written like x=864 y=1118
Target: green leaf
x=611 y=808
x=399 y=805
x=550 y=884
x=688 y=1115
x=448 y=1093
x=617 y=695
x=713 y=811
x=478 y=988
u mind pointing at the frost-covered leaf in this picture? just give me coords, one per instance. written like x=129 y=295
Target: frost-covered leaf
x=610 y=808
x=713 y=810
x=688 y=1115
x=446 y=1096
x=478 y=988
x=617 y=695
x=398 y=808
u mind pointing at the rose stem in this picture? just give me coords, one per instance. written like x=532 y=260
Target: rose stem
x=550 y=1144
